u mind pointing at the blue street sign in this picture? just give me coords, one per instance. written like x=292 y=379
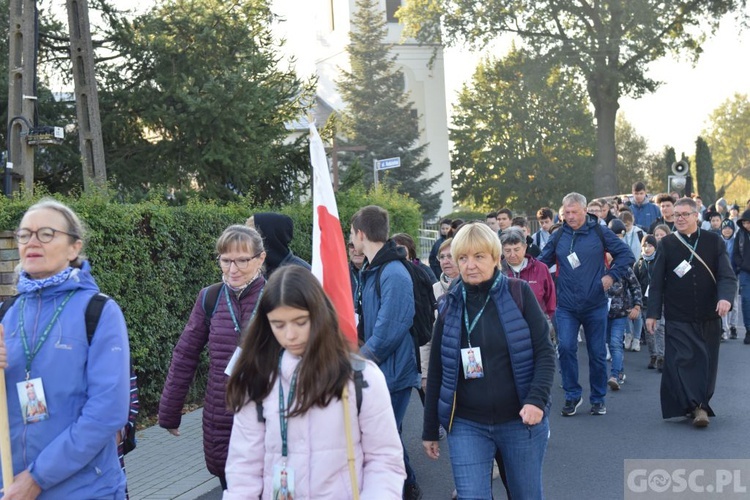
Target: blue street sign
x=389 y=163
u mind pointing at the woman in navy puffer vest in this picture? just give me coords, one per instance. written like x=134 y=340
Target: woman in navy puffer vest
x=490 y=375
x=240 y=257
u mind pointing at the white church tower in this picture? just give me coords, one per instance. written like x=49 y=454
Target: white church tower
x=317 y=34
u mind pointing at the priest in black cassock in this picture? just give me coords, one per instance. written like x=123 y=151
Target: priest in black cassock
x=693 y=279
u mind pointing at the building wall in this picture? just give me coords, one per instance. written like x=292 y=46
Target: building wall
x=324 y=25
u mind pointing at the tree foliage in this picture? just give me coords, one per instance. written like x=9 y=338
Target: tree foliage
x=379 y=114
x=634 y=161
x=523 y=136
x=728 y=136
x=610 y=44
x=198 y=97
x=704 y=171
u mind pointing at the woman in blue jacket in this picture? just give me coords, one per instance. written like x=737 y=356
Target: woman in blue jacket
x=70 y=451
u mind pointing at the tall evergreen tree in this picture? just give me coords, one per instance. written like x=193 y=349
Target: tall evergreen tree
x=379 y=114
x=704 y=170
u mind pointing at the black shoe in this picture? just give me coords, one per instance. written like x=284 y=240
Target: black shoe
x=747 y=339
x=652 y=363
x=660 y=363
x=570 y=407
x=598 y=409
x=412 y=491
x=732 y=332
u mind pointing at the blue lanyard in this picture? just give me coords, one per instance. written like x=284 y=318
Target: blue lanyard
x=283 y=418
x=30 y=355
x=470 y=328
x=695 y=245
x=572 y=242
x=231 y=309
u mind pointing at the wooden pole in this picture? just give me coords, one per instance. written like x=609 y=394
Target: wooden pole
x=5 y=456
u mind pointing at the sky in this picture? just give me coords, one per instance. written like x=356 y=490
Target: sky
x=674 y=115
x=677 y=112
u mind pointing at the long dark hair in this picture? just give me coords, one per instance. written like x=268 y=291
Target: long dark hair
x=325 y=367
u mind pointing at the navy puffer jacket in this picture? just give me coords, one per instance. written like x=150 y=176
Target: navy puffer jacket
x=222 y=340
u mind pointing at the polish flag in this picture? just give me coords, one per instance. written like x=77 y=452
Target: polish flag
x=329 y=261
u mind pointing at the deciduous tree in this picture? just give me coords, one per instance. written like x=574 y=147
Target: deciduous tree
x=610 y=44
x=634 y=161
x=728 y=136
x=523 y=136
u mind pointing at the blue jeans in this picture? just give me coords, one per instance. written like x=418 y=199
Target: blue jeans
x=472 y=448
x=400 y=402
x=594 y=323
x=636 y=326
x=615 y=335
x=745 y=295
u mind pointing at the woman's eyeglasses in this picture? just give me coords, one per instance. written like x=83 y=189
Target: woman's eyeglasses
x=241 y=263
x=43 y=234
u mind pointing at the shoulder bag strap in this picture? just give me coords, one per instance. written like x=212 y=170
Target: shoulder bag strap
x=349 y=443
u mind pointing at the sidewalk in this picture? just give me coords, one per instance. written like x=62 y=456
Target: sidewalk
x=165 y=467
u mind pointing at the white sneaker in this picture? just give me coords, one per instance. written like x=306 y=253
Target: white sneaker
x=724 y=335
x=628 y=341
x=609 y=356
x=636 y=345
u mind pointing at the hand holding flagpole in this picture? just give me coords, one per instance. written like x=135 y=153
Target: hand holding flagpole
x=5 y=455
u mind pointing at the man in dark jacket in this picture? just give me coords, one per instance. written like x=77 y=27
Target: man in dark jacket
x=694 y=281
x=741 y=263
x=385 y=318
x=578 y=249
x=277 y=231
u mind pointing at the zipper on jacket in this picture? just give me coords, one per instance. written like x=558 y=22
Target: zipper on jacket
x=453 y=412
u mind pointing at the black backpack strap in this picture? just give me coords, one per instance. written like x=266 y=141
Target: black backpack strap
x=259 y=410
x=211 y=300
x=93 y=313
x=6 y=305
x=358 y=366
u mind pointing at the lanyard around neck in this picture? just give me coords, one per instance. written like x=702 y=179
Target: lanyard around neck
x=30 y=355
x=231 y=309
x=283 y=410
x=694 y=246
x=470 y=328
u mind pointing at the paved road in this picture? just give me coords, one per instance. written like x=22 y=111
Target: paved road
x=585 y=457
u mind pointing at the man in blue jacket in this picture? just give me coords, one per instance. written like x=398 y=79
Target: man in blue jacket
x=644 y=212
x=386 y=317
x=578 y=248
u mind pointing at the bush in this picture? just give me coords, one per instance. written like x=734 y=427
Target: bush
x=153 y=259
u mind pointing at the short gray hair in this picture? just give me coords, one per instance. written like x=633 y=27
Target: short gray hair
x=512 y=236
x=576 y=198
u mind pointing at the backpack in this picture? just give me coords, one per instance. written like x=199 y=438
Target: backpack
x=211 y=301
x=93 y=313
x=358 y=366
x=425 y=305
x=555 y=238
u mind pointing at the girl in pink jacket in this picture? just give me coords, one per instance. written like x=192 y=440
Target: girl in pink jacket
x=289 y=434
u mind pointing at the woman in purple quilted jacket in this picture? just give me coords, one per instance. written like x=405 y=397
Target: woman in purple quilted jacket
x=216 y=320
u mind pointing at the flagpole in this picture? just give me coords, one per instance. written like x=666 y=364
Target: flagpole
x=6 y=458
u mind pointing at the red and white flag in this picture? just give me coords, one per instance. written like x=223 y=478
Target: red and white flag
x=329 y=262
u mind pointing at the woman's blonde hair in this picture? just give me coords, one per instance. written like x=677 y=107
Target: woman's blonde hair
x=475 y=237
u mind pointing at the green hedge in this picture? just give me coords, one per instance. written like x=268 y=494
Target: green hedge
x=154 y=258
